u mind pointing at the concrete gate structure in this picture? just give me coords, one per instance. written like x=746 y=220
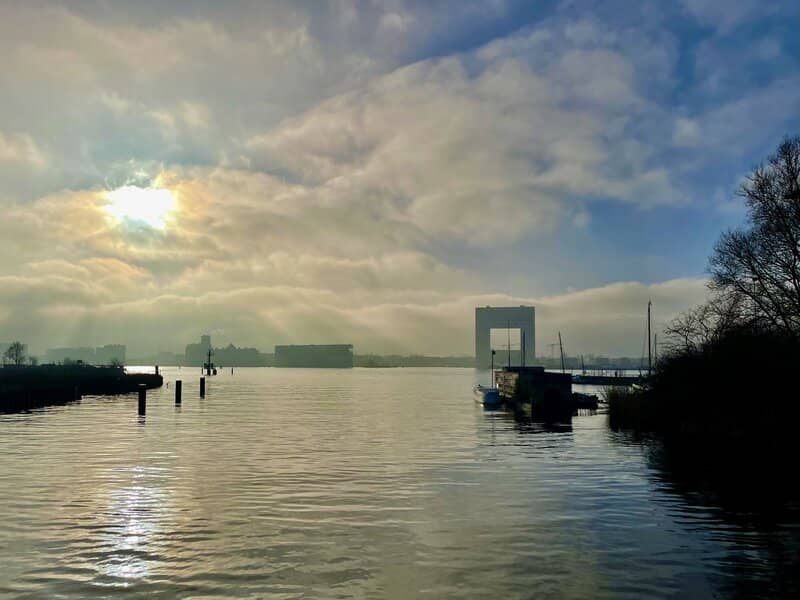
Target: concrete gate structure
x=503 y=317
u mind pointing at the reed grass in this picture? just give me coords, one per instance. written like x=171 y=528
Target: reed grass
x=630 y=408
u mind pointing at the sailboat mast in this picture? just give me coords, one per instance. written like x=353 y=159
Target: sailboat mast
x=508 y=334
x=655 y=349
x=561 y=349
x=649 y=342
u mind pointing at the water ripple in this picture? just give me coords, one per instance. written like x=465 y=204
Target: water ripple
x=364 y=483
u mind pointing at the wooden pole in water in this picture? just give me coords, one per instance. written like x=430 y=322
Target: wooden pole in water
x=202 y=387
x=178 y=386
x=156 y=369
x=142 y=398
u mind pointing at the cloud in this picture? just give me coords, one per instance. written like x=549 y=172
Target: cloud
x=20 y=149
x=346 y=171
x=481 y=147
x=761 y=115
x=726 y=16
x=265 y=284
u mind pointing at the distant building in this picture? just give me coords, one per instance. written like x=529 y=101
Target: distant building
x=197 y=354
x=396 y=360
x=335 y=356
x=102 y=355
x=109 y=354
x=84 y=354
x=232 y=356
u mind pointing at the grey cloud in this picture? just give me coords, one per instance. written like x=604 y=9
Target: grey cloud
x=441 y=143
x=321 y=162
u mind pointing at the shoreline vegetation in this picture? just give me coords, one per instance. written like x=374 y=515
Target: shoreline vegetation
x=723 y=392
x=24 y=387
x=734 y=387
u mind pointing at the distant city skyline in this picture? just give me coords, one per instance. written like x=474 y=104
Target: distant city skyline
x=369 y=173
x=195 y=354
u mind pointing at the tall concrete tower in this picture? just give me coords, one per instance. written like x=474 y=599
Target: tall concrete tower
x=487 y=318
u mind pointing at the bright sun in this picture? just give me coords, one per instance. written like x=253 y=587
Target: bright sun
x=143 y=206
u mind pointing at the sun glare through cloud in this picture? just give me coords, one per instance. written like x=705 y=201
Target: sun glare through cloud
x=143 y=206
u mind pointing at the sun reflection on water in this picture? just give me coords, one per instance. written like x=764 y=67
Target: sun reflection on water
x=131 y=539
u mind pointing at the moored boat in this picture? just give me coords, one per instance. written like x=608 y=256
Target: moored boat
x=585 y=401
x=488 y=397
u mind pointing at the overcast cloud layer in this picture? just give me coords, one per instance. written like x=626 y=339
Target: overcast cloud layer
x=369 y=172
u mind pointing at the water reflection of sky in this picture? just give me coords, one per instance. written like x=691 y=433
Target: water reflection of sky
x=370 y=483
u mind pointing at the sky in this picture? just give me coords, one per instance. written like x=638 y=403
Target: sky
x=369 y=172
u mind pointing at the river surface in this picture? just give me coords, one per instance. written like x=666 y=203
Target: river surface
x=363 y=483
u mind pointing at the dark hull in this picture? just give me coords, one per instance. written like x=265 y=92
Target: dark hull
x=605 y=379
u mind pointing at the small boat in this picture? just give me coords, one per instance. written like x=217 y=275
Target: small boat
x=488 y=397
x=585 y=401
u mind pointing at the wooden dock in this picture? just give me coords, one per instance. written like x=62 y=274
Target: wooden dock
x=545 y=396
x=621 y=380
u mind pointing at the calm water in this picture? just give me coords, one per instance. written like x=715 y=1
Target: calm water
x=362 y=483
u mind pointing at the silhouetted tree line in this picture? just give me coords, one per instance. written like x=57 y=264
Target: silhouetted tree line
x=730 y=366
x=755 y=270
x=14 y=354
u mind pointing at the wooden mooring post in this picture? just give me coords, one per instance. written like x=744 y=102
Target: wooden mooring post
x=178 y=386
x=142 y=398
x=202 y=387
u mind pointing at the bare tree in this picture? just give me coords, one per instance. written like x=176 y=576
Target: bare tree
x=706 y=323
x=15 y=354
x=759 y=265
